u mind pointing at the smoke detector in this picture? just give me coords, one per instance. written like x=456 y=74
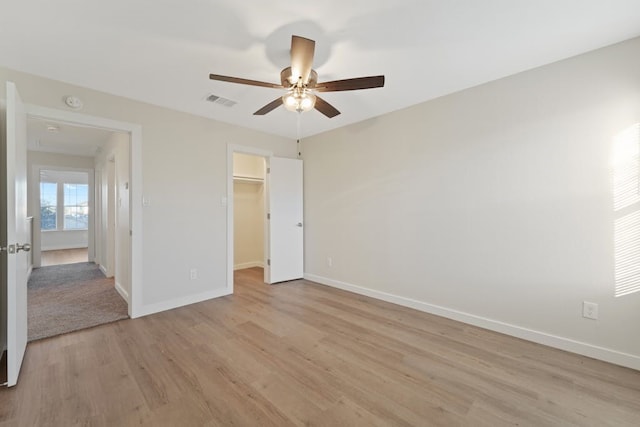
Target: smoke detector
x=73 y=102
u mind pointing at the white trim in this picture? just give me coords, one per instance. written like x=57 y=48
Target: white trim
x=234 y=148
x=103 y=269
x=146 y=310
x=123 y=293
x=251 y=264
x=66 y=230
x=62 y=247
x=135 y=133
x=562 y=343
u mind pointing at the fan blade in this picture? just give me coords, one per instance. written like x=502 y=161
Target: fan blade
x=351 y=84
x=242 y=81
x=269 y=107
x=302 y=51
x=325 y=108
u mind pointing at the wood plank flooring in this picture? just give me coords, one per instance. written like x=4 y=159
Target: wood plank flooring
x=301 y=354
x=63 y=256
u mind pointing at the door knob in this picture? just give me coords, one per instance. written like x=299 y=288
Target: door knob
x=299 y=224
x=26 y=247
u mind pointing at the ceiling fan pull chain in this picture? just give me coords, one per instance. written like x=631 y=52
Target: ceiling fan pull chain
x=298 y=134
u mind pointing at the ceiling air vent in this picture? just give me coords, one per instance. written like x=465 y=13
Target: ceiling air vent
x=221 y=101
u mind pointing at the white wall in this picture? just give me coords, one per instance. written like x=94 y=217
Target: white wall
x=113 y=220
x=492 y=205
x=248 y=166
x=68 y=239
x=58 y=161
x=184 y=180
x=248 y=217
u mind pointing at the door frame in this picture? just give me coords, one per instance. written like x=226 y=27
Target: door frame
x=231 y=149
x=135 y=169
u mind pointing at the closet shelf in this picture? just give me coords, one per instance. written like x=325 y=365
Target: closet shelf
x=247 y=179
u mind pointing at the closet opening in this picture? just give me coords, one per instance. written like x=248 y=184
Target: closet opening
x=250 y=217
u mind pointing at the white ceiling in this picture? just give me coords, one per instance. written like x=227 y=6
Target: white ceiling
x=162 y=52
x=62 y=138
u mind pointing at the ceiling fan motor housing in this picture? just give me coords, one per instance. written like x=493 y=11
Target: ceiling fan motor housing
x=288 y=80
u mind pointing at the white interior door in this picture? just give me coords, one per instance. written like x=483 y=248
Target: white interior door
x=286 y=241
x=16 y=233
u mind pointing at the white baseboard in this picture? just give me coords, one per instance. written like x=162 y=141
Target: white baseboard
x=251 y=264
x=148 y=309
x=103 y=269
x=123 y=293
x=567 y=344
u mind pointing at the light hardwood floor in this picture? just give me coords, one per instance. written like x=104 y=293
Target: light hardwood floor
x=63 y=256
x=299 y=353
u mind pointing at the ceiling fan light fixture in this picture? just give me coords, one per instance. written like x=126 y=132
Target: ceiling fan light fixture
x=299 y=100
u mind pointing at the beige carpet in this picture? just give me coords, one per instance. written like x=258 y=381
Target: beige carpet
x=66 y=298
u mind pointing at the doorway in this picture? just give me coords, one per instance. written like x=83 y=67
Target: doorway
x=131 y=189
x=256 y=159
x=249 y=213
x=283 y=236
x=78 y=197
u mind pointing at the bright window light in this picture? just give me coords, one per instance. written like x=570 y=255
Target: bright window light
x=626 y=205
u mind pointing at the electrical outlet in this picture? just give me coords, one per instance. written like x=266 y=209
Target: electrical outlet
x=589 y=310
x=329 y=261
x=193 y=273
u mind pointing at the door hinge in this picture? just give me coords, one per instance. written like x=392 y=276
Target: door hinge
x=268 y=216
x=268 y=262
x=268 y=170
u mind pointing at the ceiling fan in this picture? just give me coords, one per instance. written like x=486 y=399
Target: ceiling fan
x=301 y=83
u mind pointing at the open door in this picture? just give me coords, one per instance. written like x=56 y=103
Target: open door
x=286 y=238
x=15 y=232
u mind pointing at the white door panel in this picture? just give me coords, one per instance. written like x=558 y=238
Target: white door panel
x=286 y=242
x=16 y=232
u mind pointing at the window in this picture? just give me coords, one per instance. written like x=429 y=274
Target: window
x=48 y=205
x=64 y=200
x=76 y=206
